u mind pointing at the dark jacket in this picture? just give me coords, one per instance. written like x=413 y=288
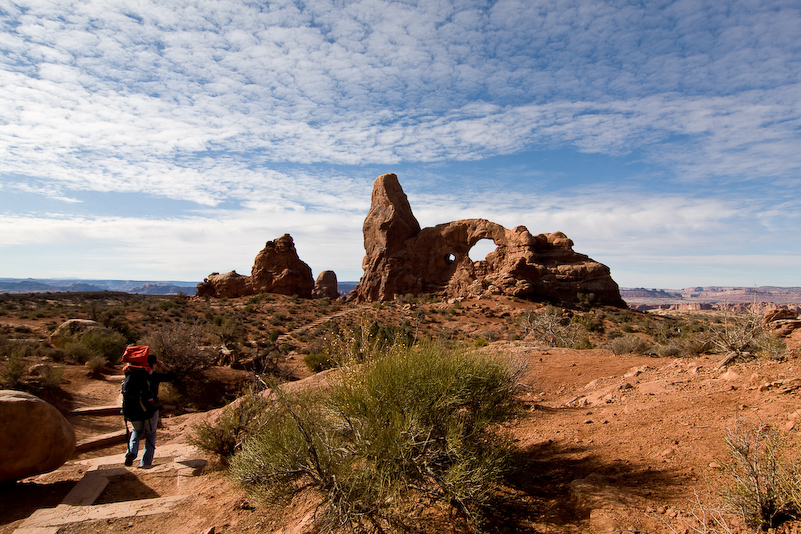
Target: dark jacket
x=138 y=402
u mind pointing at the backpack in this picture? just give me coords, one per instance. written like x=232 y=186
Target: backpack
x=135 y=394
x=137 y=355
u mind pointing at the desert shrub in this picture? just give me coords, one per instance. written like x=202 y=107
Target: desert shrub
x=236 y=422
x=117 y=322
x=279 y=318
x=584 y=301
x=96 y=364
x=177 y=345
x=227 y=330
x=109 y=345
x=668 y=350
x=50 y=376
x=359 y=344
x=415 y=419
x=13 y=370
x=736 y=332
x=770 y=346
x=553 y=328
x=592 y=322
x=318 y=361
x=763 y=476
x=694 y=343
x=630 y=344
x=76 y=352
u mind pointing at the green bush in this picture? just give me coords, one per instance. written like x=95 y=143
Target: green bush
x=318 y=361
x=422 y=417
x=96 y=364
x=236 y=422
x=13 y=371
x=108 y=345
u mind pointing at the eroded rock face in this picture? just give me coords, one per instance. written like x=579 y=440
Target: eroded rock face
x=35 y=439
x=401 y=258
x=277 y=269
x=326 y=286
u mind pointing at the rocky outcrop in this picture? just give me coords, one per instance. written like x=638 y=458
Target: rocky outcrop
x=35 y=439
x=326 y=286
x=277 y=269
x=401 y=258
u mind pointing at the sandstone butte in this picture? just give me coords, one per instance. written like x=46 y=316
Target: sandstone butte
x=276 y=269
x=401 y=258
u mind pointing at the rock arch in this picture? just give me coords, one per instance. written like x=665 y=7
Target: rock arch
x=402 y=258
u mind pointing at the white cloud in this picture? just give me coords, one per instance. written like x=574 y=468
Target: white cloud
x=255 y=104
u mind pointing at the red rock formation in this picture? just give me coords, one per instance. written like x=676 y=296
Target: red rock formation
x=277 y=269
x=326 y=286
x=401 y=258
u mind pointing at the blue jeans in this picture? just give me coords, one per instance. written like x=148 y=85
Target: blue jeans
x=146 y=429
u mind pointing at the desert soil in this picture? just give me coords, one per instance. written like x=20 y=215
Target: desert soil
x=607 y=443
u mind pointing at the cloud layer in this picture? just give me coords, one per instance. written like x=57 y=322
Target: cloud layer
x=288 y=107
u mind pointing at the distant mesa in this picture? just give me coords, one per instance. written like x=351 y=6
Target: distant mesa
x=401 y=258
x=19 y=286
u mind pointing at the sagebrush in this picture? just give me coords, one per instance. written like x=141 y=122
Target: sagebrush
x=416 y=419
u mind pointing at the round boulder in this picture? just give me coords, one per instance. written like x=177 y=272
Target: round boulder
x=326 y=286
x=73 y=328
x=35 y=439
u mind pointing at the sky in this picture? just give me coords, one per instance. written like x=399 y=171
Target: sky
x=165 y=140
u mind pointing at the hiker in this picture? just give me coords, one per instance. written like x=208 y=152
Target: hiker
x=140 y=402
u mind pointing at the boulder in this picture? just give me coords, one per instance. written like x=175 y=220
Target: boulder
x=779 y=315
x=74 y=328
x=401 y=258
x=231 y=284
x=276 y=269
x=35 y=439
x=326 y=286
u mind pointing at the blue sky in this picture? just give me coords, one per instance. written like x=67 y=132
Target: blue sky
x=166 y=140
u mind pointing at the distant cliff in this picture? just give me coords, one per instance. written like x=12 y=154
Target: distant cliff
x=48 y=285
x=709 y=297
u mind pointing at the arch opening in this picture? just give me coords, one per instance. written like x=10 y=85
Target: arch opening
x=480 y=250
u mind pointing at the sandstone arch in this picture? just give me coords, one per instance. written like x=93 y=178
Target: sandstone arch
x=401 y=258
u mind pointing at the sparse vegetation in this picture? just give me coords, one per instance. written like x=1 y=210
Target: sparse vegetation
x=236 y=422
x=763 y=476
x=413 y=419
x=374 y=451
x=630 y=344
x=555 y=329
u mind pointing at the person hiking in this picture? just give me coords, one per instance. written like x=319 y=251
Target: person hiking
x=140 y=405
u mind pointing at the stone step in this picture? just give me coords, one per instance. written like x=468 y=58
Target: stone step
x=114 y=409
x=100 y=441
x=179 y=460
